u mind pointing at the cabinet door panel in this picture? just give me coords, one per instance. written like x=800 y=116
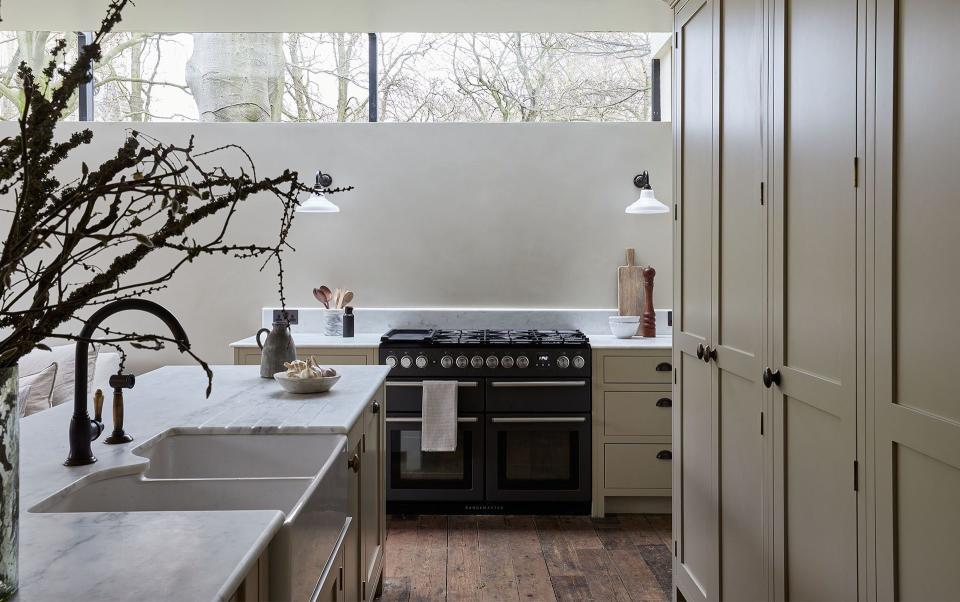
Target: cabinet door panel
x=814 y=297
x=352 y=545
x=740 y=235
x=917 y=416
x=371 y=480
x=694 y=467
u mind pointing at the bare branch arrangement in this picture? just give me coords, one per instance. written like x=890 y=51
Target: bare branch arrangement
x=74 y=245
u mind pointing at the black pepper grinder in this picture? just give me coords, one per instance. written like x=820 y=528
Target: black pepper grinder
x=347 y=322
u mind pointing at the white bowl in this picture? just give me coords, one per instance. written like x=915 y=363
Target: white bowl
x=305 y=385
x=624 y=327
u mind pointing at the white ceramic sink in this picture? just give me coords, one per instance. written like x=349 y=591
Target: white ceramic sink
x=184 y=454
x=302 y=475
x=132 y=493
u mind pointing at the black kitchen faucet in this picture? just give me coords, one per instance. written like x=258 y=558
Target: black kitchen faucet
x=83 y=429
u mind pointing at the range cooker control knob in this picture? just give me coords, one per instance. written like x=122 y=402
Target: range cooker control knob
x=446 y=361
x=462 y=362
x=406 y=361
x=492 y=362
x=476 y=361
x=391 y=361
x=563 y=362
x=523 y=361
x=579 y=362
x=421 y=361
x=506 y=361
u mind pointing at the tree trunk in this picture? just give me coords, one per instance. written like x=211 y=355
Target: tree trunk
x=136 y=83
x=237 y=76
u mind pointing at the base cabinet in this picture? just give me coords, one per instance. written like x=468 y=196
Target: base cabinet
x=632 y=409
x=364 y=549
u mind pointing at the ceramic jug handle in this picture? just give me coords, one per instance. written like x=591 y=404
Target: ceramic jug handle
x=260 y=332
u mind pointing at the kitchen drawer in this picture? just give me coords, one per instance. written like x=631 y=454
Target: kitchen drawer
x=334 y=360
x=636 y=466
x=637 y=413
x=253 y=359
x=637 y=369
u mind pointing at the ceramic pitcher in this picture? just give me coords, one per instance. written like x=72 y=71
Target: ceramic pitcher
x=277 y=349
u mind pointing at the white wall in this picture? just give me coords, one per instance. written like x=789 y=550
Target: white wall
x=473 y=215
x=346 y=15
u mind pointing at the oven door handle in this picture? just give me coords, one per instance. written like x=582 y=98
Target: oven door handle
x=468 y=419
x=419 y=383
x=538 y=383
x=544 y=419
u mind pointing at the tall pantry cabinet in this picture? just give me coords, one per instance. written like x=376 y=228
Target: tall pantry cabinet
x=816 y=431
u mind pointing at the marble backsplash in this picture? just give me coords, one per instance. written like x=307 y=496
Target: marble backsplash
x=382 y=319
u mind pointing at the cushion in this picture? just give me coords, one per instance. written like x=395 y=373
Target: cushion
x=64 y=356
x=108 y=364
x=35 y=390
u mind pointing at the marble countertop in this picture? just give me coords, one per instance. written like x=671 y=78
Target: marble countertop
x=369 y=339
x=148 y=555
x=608 y=341
x=365 y=340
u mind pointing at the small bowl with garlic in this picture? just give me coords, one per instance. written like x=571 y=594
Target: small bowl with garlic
x=306 y=377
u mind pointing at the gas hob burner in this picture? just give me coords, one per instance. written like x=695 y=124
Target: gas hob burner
x=496 y=338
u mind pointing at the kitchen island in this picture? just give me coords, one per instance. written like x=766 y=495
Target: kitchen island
x=195 y=555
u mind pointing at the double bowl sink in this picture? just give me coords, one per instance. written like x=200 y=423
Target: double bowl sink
x=302 y=475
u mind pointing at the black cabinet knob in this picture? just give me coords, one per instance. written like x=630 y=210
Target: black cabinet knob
x=710 y=354
x=700 y=351
x=664 y=454
x=664 y=402
x=375 y=408
x=771 y=378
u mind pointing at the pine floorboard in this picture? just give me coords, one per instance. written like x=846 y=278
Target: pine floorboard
x=528 y=558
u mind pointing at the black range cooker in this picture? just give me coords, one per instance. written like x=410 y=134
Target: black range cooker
x=523 y=441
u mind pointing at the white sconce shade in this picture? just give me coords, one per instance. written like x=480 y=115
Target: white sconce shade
x=647 y=204
x=317 y=203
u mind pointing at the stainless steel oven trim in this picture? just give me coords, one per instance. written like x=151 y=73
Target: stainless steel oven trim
x=419 y=383
x=539 y=419
x=538 y=383
x=467 y=419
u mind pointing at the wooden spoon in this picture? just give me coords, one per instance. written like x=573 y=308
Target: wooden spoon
x=336 y=298
x=323 y=295
x=346 y=299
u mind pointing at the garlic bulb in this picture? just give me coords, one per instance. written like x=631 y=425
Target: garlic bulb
x=307 y=369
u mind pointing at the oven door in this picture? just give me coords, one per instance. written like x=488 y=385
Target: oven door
x=534 y=458
x=417 y=476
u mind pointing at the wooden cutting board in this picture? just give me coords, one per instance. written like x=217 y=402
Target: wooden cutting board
x=630 y=286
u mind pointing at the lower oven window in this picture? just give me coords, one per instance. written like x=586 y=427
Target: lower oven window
x=538 y=459
x=415 y=469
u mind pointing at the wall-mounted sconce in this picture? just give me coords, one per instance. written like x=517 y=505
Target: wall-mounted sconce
x=318 y=203
x=647 y=203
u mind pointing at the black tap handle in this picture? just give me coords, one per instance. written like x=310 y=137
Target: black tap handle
x=122 y=381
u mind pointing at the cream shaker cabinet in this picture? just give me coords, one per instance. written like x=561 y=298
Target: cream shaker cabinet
x=913 y=415
x=721 y=245
x=816 y=205
x=817 y=429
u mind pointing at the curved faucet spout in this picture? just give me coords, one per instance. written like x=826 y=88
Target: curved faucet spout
x=83 y=430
